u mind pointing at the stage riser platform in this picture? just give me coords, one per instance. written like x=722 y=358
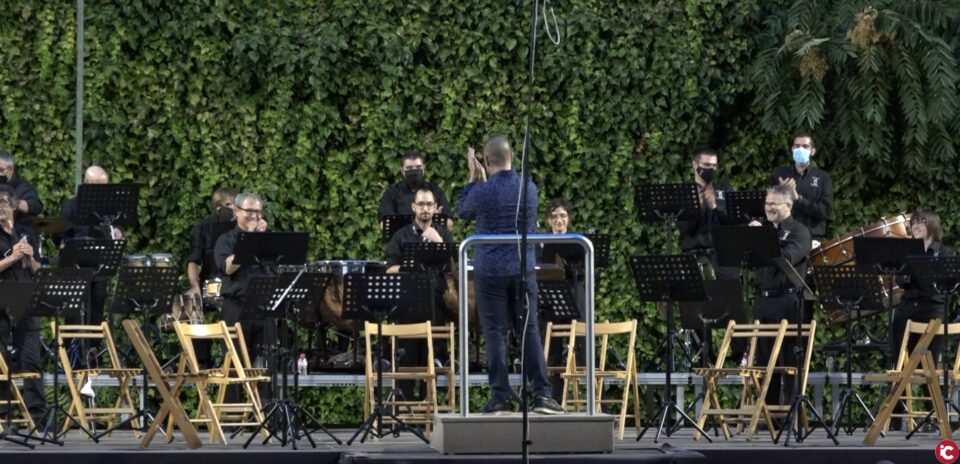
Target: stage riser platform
x=493 y=434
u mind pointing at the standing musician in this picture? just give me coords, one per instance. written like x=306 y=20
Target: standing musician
x=421 y=230
x=201 y=264
x=236 y=277
x=20 y=260
x=777 y=298
x=398 y=197
x=917 y=303
x=28 y=200
x=695 y=237
x=811 y=187
x=493 y=204
x=98 y=288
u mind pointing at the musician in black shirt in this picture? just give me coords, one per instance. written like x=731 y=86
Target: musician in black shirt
x=28 y=204
x=201 y=264
x=695 y=237
x=921 y=304
x=777 y=298
x=19 y=260
x=398 y=197
x=811 y=187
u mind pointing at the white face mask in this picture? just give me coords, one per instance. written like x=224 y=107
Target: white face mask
x=801 y=156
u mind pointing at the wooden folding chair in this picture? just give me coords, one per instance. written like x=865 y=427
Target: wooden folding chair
x=168 y=386
x=755 y=379
x=413 y=412
x=919 y=369
x=447 y=333
x=220 y=413
x=553 y=334
x=808 y=333
x=574 y=375
x=76 y=378
x=15 y=399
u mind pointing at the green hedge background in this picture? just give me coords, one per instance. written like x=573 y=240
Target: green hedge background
x=311 y=102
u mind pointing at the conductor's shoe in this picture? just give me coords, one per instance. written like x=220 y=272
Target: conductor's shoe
x=495 y=406
x=545 y=405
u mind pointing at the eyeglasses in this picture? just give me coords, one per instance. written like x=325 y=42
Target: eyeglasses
x=424 y=204
x=252 y=212
x=6 y=201
x=774 y=203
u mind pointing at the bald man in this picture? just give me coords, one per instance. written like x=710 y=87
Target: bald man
x=98 y=290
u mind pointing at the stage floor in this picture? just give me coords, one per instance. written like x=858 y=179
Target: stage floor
x=122 y=448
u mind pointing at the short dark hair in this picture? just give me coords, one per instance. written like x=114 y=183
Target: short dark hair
x=703 y=150
x=223 y=193
x=497 y=150
x=424 y=189
x=783 y=191
x=555 y=203
x=6 y=156
x=807 y=134
x=5 y=189
x=931 y=219
x=411 y=155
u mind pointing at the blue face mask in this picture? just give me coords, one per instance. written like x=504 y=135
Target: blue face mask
x=801 y=156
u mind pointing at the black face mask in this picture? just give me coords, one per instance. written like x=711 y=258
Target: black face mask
x=413 y=178
x=224 y=214
x=707 y=174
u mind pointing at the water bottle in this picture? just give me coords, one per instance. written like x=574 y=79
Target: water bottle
x=743 y=360
x=302 y=364
x=830 y=364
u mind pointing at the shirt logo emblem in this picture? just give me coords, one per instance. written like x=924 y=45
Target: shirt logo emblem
x=719 y=194
x=786 y=234
x=815 y=182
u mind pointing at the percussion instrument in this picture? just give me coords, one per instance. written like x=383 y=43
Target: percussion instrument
x=451 y=297
x=162 y=260
x=145 y=260
x=49 y=226
x=839 y=251
x=331 y=310
x=210 y=292
x=186 y=308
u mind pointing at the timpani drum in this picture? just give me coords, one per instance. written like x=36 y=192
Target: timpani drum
x=331 y=309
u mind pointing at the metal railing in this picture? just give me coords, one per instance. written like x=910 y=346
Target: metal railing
x=464 y=329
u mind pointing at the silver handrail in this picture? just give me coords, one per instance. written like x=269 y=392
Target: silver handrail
x=465 y=319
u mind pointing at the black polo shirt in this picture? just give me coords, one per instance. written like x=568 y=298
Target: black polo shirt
x=410 y=233
x=815 y=206
x=18 y=271
x=794 y=240
x=203 y=241
x=398 y=198
x=915 y=294
x=235 y=285
x=25 y=191
x=695 y=234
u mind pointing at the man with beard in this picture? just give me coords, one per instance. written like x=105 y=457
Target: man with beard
x=398 y=198
x=695 y=237
x=422 y=230
x=18 y=262
x=777 y=298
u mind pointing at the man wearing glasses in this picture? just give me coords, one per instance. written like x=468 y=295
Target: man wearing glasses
x=777 y=298
x=421 y=230
x=399 y=197
x=28 y=203
x=18 y=262
x=236 y=277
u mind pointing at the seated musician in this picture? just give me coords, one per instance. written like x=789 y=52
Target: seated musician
x=421 y=230
x=399 y=196
x=917 y=303
x=20 y=261
x=259 y=333
x=93 y=175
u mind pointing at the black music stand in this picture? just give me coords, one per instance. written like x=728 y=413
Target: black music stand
x=271 y=248
x=103 y=256
x=887 y=257
x=17 y=298
x=291 y=293
x=850 y=289
x=573 y=254
x=724 y=302
x=107 y=204
x=668 y=203
x=377 y=298
x=391 y=223
x=60 y=293
x=147 y=291
x=746 y=206
x=940 y=275
x=745 y=246
x=430 y=258
x=557 y=303
x=800 y=400
x=669 y=279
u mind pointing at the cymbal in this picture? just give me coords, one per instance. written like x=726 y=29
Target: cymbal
x=50 y=225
